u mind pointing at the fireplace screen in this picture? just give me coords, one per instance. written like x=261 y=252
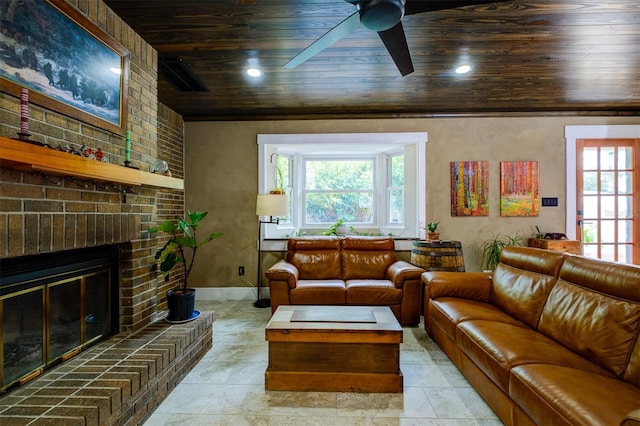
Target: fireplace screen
x=50 y=319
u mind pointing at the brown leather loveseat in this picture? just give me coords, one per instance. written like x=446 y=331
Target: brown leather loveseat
x=550 y=339
x=346 y=271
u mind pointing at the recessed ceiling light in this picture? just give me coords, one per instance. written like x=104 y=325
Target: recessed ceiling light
x=254 y=72
x=463 y=69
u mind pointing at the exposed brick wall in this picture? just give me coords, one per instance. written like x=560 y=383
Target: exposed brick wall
x=171 y=140
x=40 y=213
x=169 y=204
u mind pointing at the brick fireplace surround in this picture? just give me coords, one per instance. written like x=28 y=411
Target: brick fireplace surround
x=120 y=379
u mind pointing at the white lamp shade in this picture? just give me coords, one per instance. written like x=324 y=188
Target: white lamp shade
x=272 y=205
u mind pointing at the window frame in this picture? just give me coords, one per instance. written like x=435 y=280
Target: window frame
x=412 y=143
x=391 y=188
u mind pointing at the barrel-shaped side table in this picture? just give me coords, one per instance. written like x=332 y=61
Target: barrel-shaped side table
x=438 y=255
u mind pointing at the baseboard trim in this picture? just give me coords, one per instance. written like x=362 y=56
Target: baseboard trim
x=229 y=293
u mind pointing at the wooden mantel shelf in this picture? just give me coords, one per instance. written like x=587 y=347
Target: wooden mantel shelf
x=25 y=156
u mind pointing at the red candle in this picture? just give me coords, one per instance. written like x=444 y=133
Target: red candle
x=24 y=110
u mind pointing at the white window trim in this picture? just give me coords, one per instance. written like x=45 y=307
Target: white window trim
x=572 y=134
x=419 y=139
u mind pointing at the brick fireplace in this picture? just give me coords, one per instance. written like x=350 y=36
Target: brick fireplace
x=44 y=213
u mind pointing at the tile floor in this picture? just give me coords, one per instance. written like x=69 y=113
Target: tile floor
x=227 y=386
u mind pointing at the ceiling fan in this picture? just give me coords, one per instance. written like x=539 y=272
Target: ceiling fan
x=385 y=17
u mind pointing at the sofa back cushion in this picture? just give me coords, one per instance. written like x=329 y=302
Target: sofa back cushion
x=367 y=257
x=522 y=281
x=632 y=372
x=594 y=310
x=316 y=258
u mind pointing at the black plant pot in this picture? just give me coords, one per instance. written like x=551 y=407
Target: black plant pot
x=181 y=304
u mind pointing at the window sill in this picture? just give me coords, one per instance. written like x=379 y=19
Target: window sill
x=280 y=244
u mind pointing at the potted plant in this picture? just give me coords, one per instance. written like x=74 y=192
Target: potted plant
x=491 y=249
x=338 y=228
x=280 y=183
x=180 y=251
x=431 y=231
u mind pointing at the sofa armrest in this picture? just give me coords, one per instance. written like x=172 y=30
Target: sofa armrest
x=632 y=418
x=401 y=271
x=467 y=285
x=283 y=271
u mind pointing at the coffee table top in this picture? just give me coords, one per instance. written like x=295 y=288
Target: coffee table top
x=340 y=324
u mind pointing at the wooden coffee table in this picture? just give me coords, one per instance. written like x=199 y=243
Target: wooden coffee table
x=334 y=348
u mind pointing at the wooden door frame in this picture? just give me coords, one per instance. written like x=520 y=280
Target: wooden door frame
x=572 y=134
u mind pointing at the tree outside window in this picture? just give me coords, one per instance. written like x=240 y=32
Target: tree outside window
x=339 y=190
x=396 y=189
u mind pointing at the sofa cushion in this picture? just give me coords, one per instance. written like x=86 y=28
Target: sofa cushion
x=522 y=281
x=373 y=292
x=599 y=327
x=314 y=292
x=316 y=258
x=448 y=312
x=560 y=395
x=632 y=373
x=616 y=279
x=367 y=257
x=496 y=347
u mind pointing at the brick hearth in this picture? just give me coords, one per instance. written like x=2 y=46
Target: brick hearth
x=117 y=382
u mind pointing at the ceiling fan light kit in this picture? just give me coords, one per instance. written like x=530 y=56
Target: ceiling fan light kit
x=380 y=15
x=384 y=17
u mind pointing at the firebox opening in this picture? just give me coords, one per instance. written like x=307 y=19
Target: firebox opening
x=53 y=306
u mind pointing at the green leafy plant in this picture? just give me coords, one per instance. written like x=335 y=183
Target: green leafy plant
x=492 y=249
x=432 y=226
x=333 y=229
x=182 y=241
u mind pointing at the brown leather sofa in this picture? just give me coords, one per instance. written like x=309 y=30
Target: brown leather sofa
x=549 y=339
x=346 y=271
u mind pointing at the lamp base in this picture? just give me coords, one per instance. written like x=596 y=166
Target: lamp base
x=262 y=303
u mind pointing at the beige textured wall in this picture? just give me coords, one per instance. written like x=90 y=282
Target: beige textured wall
x=221 y=176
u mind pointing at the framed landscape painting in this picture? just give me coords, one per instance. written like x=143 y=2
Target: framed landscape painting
x=65 y=61
x=469 y=188
x=519 y=187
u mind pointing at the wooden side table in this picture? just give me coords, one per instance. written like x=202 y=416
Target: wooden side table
x=567 y=246
x=440 y=255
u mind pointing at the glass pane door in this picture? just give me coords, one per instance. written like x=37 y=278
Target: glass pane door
x=22 y=334
x=608 y=174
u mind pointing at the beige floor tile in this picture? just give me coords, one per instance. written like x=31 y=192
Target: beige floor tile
x=227 y=385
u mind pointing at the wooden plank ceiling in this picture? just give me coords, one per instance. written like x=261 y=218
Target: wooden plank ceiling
x=528 y=56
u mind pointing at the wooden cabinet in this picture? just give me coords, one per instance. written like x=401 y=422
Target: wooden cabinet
x=568 y=246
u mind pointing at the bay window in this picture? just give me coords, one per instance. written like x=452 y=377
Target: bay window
x=372 y=183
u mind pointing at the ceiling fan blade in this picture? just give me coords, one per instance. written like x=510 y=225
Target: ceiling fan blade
x=413 y=7
x=396 y=43
x=344 y=28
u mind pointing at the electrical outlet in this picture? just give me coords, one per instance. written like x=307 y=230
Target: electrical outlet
x=241 y=270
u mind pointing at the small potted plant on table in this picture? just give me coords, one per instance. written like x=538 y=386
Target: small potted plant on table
x=181 y=300
x=431 y=231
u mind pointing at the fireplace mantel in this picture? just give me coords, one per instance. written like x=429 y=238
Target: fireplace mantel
x=25 y=156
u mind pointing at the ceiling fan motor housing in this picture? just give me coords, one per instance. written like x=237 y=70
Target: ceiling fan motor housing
x=380 y=15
